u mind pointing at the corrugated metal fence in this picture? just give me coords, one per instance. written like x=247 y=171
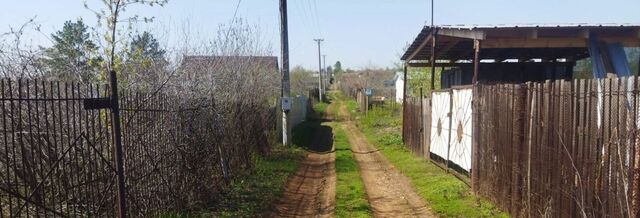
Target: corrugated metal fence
x=558 y=149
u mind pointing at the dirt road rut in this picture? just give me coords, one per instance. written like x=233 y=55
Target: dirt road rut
x=311 y=191
x=389 y=192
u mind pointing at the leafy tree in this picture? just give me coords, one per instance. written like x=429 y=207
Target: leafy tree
x=302 y=80
x=145 y=60
x=111 y=15
x=421 y=78
x=73 y=55
x=337 y=67
x=146 y=46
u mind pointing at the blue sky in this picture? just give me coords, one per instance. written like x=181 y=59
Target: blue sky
x=359 y=33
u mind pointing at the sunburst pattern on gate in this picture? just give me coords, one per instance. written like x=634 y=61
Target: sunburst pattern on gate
x=440 y=107
x=460 y=151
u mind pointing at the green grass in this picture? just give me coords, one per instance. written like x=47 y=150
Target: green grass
x=446 y=195
x=319 y=110
x=351 y=200
x=253 y=195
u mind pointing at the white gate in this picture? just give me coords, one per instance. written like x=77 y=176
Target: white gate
x=440 y=120
x=451 y=126
x=461 y=127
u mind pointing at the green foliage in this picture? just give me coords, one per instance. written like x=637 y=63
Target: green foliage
x=421 y=78
x=302 y=81
x=111 y=15
x=73 y=56
x=252 y=193
x=337 y=67
x=351 y=200
x=145 y=46
x=320 y=109
x=446 y=195
x=145 y=60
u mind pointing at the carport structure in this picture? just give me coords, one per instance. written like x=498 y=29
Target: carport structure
x=508 y=104
x=503 y=48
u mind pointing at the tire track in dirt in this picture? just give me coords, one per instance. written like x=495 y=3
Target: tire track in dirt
x=389 y=192
x=311 y=191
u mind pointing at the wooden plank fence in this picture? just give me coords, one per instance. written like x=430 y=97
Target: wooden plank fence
x=554 y=149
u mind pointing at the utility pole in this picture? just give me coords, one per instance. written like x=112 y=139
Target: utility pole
x=326 y=73
x=284 y=42
x=319 y=69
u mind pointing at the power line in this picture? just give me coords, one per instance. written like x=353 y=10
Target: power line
x=315 y=7
x=314 y=17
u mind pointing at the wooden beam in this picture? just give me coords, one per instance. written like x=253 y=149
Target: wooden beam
x=476 y=60
x=533 y=34
x=451 y=44
x=433 y=60
x=535 y=43
x=584 y=33
x=553 y=42
x=463 y=33
x=420 y=47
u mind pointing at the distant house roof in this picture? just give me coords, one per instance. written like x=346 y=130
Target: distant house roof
x=528 y=41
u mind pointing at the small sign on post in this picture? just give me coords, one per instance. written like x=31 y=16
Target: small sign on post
x=285 y=103
x=368 y=91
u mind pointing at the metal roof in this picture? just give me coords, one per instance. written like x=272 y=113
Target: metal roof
x=537 y=25
x=521 y=41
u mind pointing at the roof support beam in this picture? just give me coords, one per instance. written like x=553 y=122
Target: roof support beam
x=476 y=60
x=420 y=47
x=553 y=42
x=433 y=60
x=451 y=44
x=467 y=34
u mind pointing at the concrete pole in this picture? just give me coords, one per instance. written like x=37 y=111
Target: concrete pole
x=319 y=69
x=326 y=74
x=286 y=88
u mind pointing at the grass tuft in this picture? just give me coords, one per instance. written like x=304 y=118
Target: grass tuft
x=351 y=200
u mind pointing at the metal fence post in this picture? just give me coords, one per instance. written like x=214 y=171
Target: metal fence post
x=117 y=141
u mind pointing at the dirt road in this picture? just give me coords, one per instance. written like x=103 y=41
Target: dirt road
x=389 y=192
x=311 y=192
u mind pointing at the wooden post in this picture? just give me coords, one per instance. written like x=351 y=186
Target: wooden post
x=450 y=115
x=433 y=59
x=119 y=151
x=476 y=60
x=404 y=102
x=475 y=138
x=421 y=143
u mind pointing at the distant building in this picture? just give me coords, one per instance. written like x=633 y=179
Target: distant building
x=399 y=86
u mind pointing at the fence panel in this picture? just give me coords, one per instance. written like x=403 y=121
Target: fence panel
x=412 y=126
x=55 y=157
x=559 y=148
x=461 y=125
x=440 y=124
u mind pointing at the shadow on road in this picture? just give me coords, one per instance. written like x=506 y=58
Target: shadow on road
x=314 y=137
